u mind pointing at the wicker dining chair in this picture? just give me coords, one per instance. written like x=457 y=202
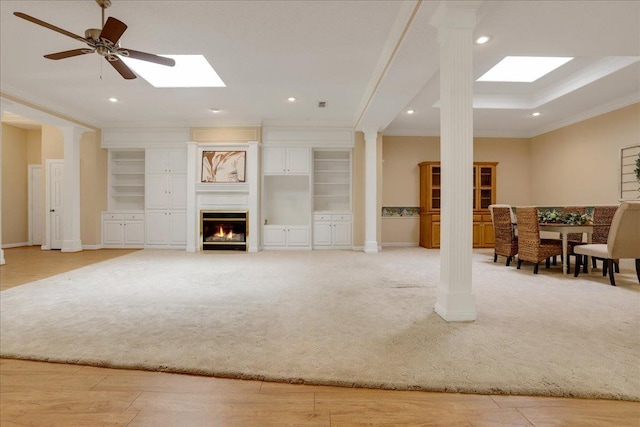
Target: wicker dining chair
x=623 y=240
x=506 y=242
x=574 y=238
x=530 y=247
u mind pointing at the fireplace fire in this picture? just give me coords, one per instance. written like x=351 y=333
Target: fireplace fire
x=225 y=231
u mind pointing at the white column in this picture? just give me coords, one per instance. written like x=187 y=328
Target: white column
x=371 y=191
x=2 y=260
x=71 y=194
x=455 y=22
x=253 y=179
x=193 y=216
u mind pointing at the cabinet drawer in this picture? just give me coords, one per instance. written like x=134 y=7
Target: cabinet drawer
x=435 y=218
x=345 y=217
x=477 y=218
x=321 y=217
x=133 y=216
x=486 y=218
x=111 y=216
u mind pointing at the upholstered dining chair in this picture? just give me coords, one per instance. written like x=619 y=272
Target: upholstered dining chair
x=623 y=240
x=506 y=241
x=530 y=247
x=602 y=217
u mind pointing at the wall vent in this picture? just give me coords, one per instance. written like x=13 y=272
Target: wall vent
x=322 y=104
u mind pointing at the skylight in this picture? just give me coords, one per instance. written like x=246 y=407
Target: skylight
x=523 y=68
x=189 y=71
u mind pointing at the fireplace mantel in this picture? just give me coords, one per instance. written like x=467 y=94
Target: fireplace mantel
x=222 y=196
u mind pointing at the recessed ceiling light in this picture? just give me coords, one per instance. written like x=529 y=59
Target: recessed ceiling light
x=291 y=99
x=523 y=68
x=189 y=71
x=536 y=114
x=482 y=40
x=410 y=111
x=214 y=110
x=113 y=99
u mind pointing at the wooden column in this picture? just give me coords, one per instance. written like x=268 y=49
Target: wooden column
x=455 y=22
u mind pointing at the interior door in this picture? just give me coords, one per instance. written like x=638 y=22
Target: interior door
x=56 y=213
x=35 y=204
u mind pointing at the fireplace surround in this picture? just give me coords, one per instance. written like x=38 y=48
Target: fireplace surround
x=224 y=230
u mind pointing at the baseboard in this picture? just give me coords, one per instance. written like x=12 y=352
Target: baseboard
x=15 y=245
x=92 y=247
x=358 y=248
x=400 y=245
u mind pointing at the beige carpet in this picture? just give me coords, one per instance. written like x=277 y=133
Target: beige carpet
x=335 y=317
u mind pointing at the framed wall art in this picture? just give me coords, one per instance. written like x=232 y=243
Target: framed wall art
x=223 y=166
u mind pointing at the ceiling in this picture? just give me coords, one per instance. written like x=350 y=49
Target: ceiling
x=369 y=61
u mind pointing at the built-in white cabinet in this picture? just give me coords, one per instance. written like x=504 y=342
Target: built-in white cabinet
x=166 y=160
x=286 y=160
x=285 y=236
x=166 y=197
x=123 y=229
x=166 y=191
x=126 y=180
x=331 y=180
x=332 y=231
x=166 y=228
x=286 y=211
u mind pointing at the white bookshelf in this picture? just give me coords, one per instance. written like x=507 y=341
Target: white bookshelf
x=332 y=180
x=126 y=180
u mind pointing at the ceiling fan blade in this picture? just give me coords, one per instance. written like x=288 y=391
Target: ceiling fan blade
x=122 y=68
x=50 y=26
x=113 y=30
x=150 y=57
x=68 y=53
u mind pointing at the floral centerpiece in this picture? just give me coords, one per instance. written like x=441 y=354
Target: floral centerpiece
x=637 y=171
x=554 y=216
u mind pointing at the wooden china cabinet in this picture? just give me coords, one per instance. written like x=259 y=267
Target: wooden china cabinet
x=484 y=194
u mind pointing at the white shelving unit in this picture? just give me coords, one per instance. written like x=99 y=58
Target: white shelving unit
x=126 y=180
x=332 y=180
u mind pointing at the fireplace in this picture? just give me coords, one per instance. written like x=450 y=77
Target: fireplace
x=223 y=230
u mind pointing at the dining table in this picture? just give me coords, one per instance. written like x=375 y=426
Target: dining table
x=565 y=229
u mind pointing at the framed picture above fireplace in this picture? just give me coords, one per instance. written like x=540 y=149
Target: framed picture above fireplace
x=223 y=166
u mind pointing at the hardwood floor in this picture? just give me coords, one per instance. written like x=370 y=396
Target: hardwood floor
x=50 y=394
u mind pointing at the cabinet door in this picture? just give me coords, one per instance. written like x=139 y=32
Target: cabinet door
x=435 y=234
x=157 y=194
x=177 y=160
x=488 y=239
x=134 y=233
x=273 y=160
x=178 y=191
x=273 y=236
x=322 y=234
x=477 y=234
x=177 y=227
x=298 y=236
x=156 y=160
x=342 y=233
x=112 y=233
x=156 y=227
x=298 y=160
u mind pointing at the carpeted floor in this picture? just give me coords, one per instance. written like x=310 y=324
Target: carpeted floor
x=335 y=317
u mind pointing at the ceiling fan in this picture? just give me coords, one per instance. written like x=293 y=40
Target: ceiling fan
x=104 y=42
